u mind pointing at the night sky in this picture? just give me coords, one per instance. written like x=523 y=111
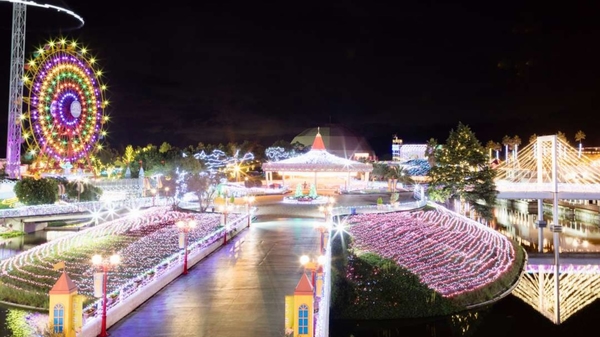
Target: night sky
x=211 y=72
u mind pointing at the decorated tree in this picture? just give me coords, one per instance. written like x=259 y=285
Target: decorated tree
x=579 y=136
x=462 y=173
x=298 y=193
x=313 y=191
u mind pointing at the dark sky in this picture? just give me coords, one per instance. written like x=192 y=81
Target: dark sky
x=220 y=71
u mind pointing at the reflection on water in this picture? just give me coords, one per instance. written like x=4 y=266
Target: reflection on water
x=13 y=246
x=463 y=324
x=578 y=286
x=581 y=227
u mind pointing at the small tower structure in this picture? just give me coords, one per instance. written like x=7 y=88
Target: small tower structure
x=65 y=307
x=300 y=309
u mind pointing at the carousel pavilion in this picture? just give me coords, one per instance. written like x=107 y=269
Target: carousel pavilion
x=321 y=168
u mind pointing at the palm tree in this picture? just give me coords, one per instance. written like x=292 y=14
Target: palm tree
x=379 y=171
x=507 y=142
x=516 y=141
x=579 y=136
x=561 y=135
x=490 y=145
x=432 y=146
x=497 y=148
x=533 y=138
x=397 y=174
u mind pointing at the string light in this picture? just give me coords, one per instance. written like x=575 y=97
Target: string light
x=448 y=254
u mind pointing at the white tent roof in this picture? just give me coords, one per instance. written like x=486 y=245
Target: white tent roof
x=317 y=160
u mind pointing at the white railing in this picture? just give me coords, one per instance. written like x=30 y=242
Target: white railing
x=322 y=329
x=545 y=187
x=79 y=207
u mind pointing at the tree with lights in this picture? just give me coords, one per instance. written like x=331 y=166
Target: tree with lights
x=579 y=136
x=312 y=193
x=299 y=193
x=462 y=173
x=507 y=141
x=516 y=141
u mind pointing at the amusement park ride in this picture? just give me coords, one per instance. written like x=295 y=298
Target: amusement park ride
x=64 y=116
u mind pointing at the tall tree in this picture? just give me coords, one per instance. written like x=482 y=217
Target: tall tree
x=533 y=138
x=432 y=146
x=462 y=172
x=507 y=142
x=497 y=148
x=489 y=146
x=516 y=141
x=579 y=136
x=561 y=135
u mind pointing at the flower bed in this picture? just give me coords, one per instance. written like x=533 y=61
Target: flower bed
x=144 y=243
x=449 y=255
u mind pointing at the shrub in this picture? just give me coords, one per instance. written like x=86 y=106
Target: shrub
x=32 y=191
x=371 y=287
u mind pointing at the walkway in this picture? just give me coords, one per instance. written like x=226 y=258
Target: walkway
x=237 y=291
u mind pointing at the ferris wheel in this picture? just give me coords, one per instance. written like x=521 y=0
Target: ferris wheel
x=65 y=118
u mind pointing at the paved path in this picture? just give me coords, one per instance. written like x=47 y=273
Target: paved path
x=237 y=291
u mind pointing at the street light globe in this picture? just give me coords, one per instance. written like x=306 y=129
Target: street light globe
x=321 y=209
x=115 y=259
x=331 y=200
x=97 y=259
x=192 y=223
x=321 y=260
x=153 y=191
x=252 y=198
x=304 y=259
x=180 y=224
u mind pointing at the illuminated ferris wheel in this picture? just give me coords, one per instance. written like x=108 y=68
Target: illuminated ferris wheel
x=65 y=117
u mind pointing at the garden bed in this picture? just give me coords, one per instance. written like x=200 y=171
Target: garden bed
x=413 y=264
x=144 y=243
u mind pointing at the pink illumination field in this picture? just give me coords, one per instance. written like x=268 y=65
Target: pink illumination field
x=450 y=255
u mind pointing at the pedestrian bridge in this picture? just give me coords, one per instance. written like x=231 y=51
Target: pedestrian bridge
x=546 y=167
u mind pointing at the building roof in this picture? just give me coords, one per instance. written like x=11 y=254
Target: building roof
x=304 y=287
x=64 y=285
x=338 y=140
x=318 y=159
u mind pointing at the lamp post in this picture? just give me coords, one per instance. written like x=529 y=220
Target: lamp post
x=185 y=227
x=322 y=227
x=153 y=191
x=105 y=265
x=314 y=267
x=249 y=199
x=225 y=210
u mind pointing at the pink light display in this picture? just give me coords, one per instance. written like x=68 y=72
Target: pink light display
x=449 y=255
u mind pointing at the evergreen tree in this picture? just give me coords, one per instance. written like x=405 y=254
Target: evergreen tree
x=461 y=172
x=298 y=193
x=313 y=191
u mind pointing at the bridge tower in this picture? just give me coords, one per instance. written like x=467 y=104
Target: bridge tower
x=543 y=144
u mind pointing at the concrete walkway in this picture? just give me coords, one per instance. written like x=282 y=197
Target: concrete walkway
x=237 y=291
